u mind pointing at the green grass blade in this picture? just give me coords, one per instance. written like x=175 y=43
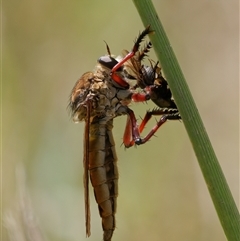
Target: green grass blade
x=220 y=193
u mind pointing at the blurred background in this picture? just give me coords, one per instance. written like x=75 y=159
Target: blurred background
x=47 y=45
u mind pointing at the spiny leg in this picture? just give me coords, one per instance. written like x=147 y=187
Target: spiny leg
x=132 y=131
x=144 y=52
x=140 y=97
x=131 y=53
x=172 y=114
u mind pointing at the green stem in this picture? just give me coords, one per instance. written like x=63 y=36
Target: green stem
x=213 y=175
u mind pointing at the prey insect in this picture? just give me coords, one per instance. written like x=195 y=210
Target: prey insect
x=154 y=86
x=97 y=98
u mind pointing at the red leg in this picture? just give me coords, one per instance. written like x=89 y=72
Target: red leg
x=135 y=48
x=121 y=82
x=140 y=97
x=128 y=137
x=132 y=131
x=131 y=134
x=172 y=114
x=162 y=120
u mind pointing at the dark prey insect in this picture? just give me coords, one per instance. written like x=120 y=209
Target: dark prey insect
x=154 y=86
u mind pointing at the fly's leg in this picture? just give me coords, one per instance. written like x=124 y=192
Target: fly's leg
x=171 y=114
x=162 y=120
x=140 y=97
x=132 y=131
x=135 y=48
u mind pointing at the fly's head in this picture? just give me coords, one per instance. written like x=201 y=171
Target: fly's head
x=116 y=78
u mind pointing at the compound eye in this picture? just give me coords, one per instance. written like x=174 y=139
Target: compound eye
x=108 y=62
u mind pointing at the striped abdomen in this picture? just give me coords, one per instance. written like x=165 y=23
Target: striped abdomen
x=104 y=173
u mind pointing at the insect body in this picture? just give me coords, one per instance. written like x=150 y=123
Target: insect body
x=97 y=98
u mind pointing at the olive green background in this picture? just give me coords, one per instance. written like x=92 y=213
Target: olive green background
x=46 y=46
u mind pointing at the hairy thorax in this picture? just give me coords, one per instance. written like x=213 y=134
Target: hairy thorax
x=97 y=91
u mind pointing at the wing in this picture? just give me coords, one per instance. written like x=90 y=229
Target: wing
x=133 y=65
x=80 y=107
x=86 y=170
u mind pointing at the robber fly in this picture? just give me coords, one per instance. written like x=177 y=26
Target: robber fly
x=97 y=98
